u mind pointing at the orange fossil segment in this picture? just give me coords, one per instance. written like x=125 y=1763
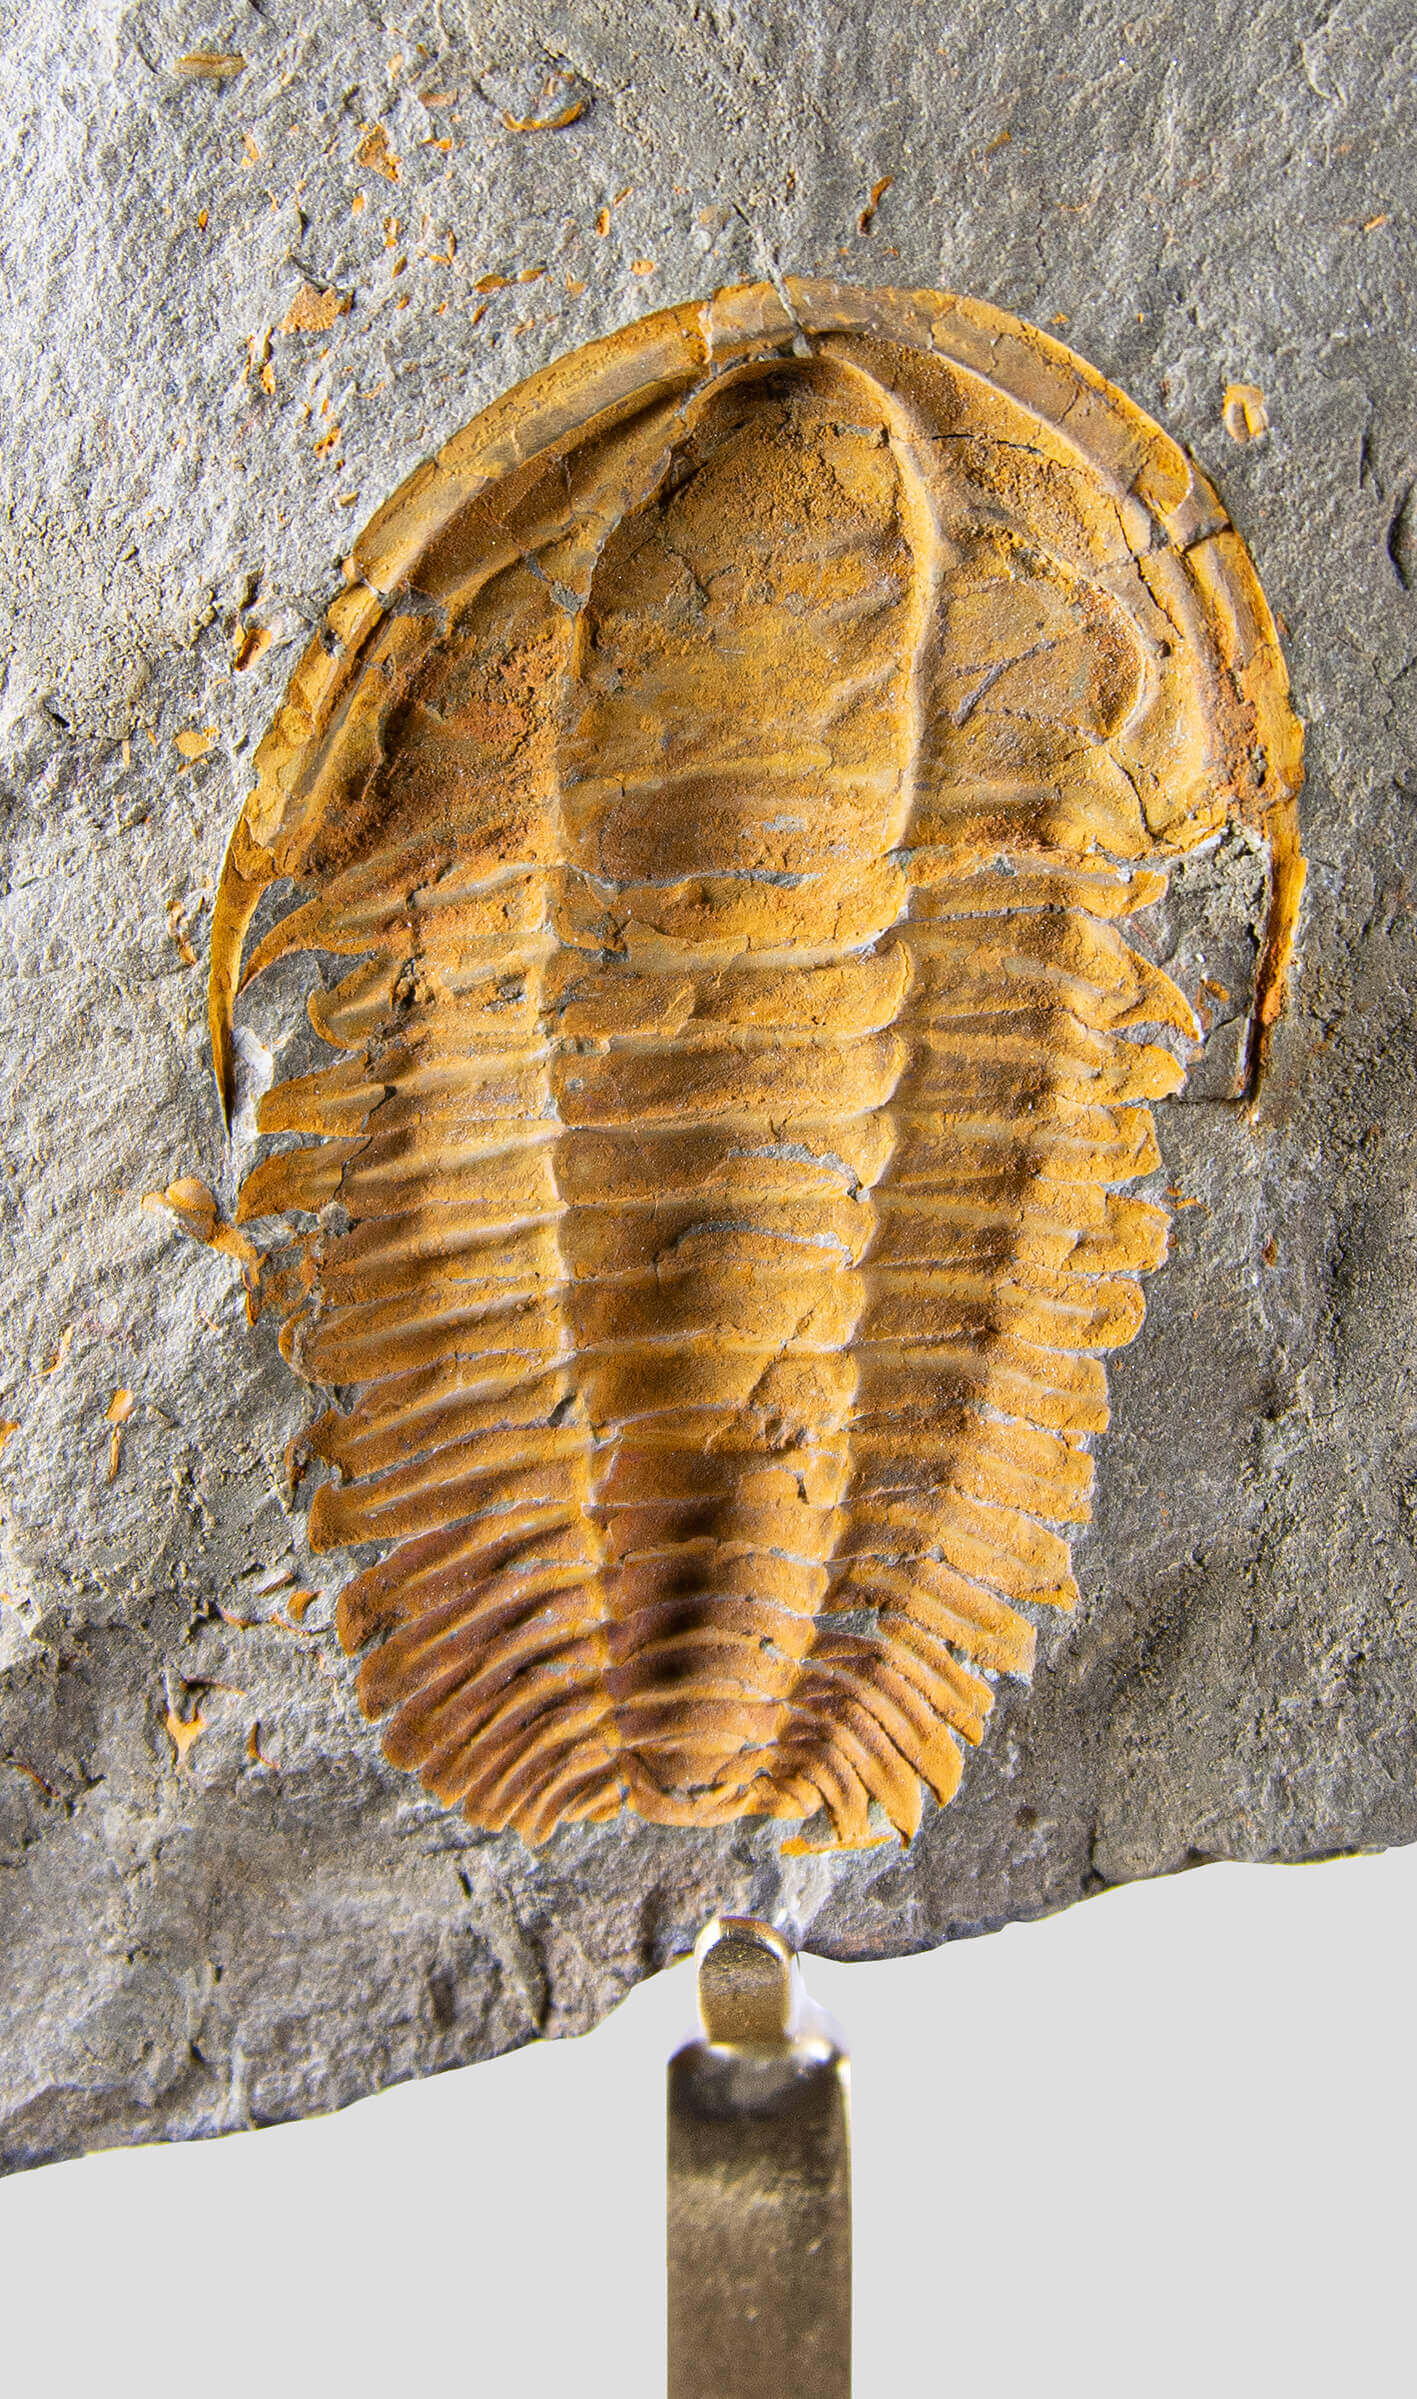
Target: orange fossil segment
x=720 y=793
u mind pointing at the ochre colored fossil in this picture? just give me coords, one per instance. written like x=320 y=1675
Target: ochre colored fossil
x=726 y=770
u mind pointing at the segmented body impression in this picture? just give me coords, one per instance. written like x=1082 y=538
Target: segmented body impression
x=723 y=779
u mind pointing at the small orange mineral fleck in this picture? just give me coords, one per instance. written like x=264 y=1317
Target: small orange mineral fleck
x=1244 y=412
x=374 y=152
x=210 y=66
x=879 y=190
x=252 y=642
x=313 y=310
x=182 y=1731
x=116 y=1414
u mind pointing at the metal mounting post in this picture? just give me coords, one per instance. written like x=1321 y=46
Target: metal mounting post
x=759 y=2183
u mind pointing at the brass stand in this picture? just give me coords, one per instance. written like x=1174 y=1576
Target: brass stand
x=759 y=2183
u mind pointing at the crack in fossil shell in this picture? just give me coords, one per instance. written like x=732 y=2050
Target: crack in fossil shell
x=727 y=772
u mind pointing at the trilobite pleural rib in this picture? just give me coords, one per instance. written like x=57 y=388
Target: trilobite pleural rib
x=721 y=783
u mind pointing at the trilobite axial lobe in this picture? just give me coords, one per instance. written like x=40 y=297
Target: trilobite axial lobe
x=724 y=777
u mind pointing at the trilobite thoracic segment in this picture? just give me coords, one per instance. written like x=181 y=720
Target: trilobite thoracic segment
x=724 y=781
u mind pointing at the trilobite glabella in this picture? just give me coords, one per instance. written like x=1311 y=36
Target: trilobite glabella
x=725 y=773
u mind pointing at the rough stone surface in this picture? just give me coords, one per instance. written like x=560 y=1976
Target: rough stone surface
x=207 y=1924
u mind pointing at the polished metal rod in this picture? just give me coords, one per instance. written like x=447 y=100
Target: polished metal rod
x=759 y=2182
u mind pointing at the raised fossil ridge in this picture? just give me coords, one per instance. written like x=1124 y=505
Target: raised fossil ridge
x=726 y=771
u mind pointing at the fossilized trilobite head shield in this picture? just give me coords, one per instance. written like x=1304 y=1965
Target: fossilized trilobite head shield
x=724 y=774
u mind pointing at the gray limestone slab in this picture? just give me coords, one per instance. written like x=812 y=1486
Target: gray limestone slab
x=265 y=1920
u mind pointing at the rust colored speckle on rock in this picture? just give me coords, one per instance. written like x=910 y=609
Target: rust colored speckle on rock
x=1244 y=412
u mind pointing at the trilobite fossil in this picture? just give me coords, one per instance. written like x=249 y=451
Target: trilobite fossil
x=724 y=777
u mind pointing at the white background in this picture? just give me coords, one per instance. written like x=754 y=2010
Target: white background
x=1160 y=2144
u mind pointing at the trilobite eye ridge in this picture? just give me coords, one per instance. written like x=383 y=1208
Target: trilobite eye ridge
x=726 y=841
